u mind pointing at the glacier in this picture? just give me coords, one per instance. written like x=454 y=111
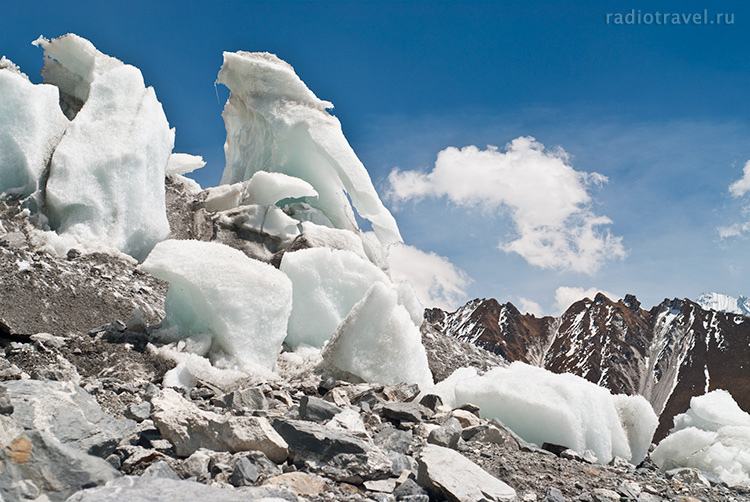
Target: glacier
x=214 y=289
x=563 y=409
x=31 y=125
x=290 y=174
x=106 y=179
x=275 y=123
x=327 y=283
x=712 y=435
x=379 y=341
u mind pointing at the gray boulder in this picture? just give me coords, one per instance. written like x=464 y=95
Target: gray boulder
x=410 y=412
x=244 y=473
x=37 y=464
x=68 y=413
x=447 y=434
x=248 y=399
x=189 y=428
x=317 y=410
x=333 y=453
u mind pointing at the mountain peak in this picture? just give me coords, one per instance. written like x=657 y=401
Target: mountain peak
x=724 y=303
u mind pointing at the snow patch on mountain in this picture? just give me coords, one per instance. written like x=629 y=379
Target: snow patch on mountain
x=725 y=303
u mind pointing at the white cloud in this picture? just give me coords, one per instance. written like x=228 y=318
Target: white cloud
x=546 y=198
x=530 y=307
x=437 y=282
x=734 y=230
x=565 y=296
x=738 y=189
x=742 y=185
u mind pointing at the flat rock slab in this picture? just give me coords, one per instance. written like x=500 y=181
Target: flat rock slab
x=333 y=453
x=300 y=483
x=449 y=474
x=189 y=428
x=68 y=413
x=317 y=410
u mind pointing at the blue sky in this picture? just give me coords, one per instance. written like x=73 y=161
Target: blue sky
x=663 y=111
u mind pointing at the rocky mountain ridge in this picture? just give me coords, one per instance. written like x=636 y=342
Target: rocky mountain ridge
x=668 y=354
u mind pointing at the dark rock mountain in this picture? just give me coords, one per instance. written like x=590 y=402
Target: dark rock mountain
x=668 y=354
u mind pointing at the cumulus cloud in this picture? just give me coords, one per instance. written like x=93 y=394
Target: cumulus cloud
x=565 y=296
x=546 y=198
x=738 y=189
x=530 y=307
x=742 y=185
x=437 y=282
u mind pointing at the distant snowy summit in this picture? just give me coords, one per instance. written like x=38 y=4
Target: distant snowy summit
x=725 y=303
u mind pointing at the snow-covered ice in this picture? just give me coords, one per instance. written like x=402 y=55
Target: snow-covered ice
x=275 y=123
x=334 y=238
x=564 y=409
x=224 y=197
x=379 y=341
x=72 y=63
x=31 y=125
x=243 y=303
x=326 y=283
x=183 y=163
x=712 y=435
x=106 y=180
x=270 y=188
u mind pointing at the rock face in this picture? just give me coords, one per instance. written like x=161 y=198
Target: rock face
x=72 y=295
x=668 y=354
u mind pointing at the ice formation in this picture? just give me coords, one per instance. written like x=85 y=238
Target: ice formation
x=31 y=125
x=275 y=123
x=271 y=188
x=183 y=163
x=106 y=180
x=326 y=284
x=243 y=303
x=712 y=435
x=379 y=341
x=563 y=409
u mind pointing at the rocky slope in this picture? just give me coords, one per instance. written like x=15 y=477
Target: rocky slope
x=85 y=415
x=668 y=354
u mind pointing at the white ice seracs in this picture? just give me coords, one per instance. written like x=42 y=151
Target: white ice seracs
x=106 y=181
x=712 y=435
x=275 y=123
x=72 y=63
x=183 y=163
x=326 y=284
x=31 y=125
x=243 y=303
x=564 y=409
x=379 y=341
